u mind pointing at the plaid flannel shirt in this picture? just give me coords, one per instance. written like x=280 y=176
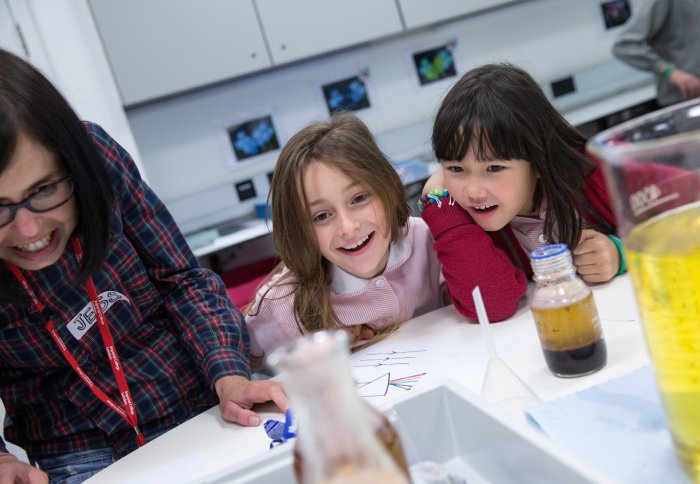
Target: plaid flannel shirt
x=175 y=329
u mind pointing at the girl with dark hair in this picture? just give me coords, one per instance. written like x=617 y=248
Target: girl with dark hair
x=514 y=177
x=351 y=255
x=110 y=332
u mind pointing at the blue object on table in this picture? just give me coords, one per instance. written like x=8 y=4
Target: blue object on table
x=618 y=426
x=281 y=432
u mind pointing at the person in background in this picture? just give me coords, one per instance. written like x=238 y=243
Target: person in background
x=352 y=257
x=110 y=332
x=514 y=177
x=663 y=37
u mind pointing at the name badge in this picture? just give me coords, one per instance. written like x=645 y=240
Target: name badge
x=85 y=319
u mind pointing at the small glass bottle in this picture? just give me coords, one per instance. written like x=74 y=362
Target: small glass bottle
x=565 y=314
x=341 y=439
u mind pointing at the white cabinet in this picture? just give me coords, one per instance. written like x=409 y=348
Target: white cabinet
x=161 y=47
x=417 y=13
x=303 y=28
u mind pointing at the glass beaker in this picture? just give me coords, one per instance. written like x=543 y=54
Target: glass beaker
x=651 y=166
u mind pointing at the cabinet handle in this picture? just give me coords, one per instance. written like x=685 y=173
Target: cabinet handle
x=283 y=46
x=253 y=55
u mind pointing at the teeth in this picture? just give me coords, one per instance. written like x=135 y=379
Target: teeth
x=36 y=246
x=483 y=207
x=361 y=242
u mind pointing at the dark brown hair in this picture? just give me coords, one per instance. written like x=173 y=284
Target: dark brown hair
x=31 y=105
x=346 y=144
x=503 y=111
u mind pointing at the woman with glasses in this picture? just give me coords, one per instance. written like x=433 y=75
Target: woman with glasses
x=110 y=332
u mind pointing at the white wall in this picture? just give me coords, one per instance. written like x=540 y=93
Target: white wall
x=64 y=44
x=181 y=141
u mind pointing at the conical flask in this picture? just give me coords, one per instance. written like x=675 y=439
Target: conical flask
x=339 y=436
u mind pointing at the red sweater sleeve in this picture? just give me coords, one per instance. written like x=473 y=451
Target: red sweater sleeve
x=596 y=192
x=470 y=258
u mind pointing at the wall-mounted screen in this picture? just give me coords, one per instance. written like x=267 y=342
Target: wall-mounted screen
x=615 y=12
x=434 y=64
x=245 y=190
x=253 y=137
x=346 y=95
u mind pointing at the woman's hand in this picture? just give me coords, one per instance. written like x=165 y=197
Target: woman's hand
x=596 y=257
x=237 y=395
x=12 y=471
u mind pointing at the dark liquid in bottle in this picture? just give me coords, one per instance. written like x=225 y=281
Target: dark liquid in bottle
x=577 y=361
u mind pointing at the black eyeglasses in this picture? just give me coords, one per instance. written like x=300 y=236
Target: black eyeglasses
x=46 y=198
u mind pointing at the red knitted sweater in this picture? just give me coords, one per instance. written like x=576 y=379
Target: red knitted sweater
x=494 y=261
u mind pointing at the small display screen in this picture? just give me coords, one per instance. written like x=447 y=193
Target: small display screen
x=245 y=190
x=434 y=64
x=615 y=12
x=346 y=95
x=253 y=137
x=563 y=86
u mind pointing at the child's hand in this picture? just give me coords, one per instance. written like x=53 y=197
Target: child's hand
x=435 y=182
x=596 y=257
x=360 y=334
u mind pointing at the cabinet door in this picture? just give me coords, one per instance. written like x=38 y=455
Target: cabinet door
x=303 y=28
x=160 y=47
x=417 y=13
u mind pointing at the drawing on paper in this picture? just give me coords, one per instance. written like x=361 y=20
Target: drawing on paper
x=380 y=385
x=388 y=358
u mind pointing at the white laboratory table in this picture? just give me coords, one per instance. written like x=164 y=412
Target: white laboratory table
x=207 y=444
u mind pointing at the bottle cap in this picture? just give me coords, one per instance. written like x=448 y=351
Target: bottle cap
x=549 y=251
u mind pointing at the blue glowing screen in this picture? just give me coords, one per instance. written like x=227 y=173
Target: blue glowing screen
x=346 y=95
x=253 y=137
x=434 y=64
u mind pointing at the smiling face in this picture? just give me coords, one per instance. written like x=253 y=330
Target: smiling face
x=33 y=241
x=492 y=191
x=348 y=220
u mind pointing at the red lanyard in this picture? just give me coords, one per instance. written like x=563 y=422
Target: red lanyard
x=127 y=411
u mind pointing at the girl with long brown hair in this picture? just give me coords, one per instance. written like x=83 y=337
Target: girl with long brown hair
x=352 y=257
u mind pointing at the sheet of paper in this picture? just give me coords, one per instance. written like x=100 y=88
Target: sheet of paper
x=618 y=426
x=422 y=351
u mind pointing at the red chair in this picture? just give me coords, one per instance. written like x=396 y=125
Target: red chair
x=242 y=282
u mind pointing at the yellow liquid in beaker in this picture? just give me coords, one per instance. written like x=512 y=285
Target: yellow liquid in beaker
x=664 y=263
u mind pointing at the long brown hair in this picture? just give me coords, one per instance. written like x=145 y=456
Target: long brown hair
x=503 y=110
x=346 y=144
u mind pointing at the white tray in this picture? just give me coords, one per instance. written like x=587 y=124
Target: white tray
x=447 y=424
